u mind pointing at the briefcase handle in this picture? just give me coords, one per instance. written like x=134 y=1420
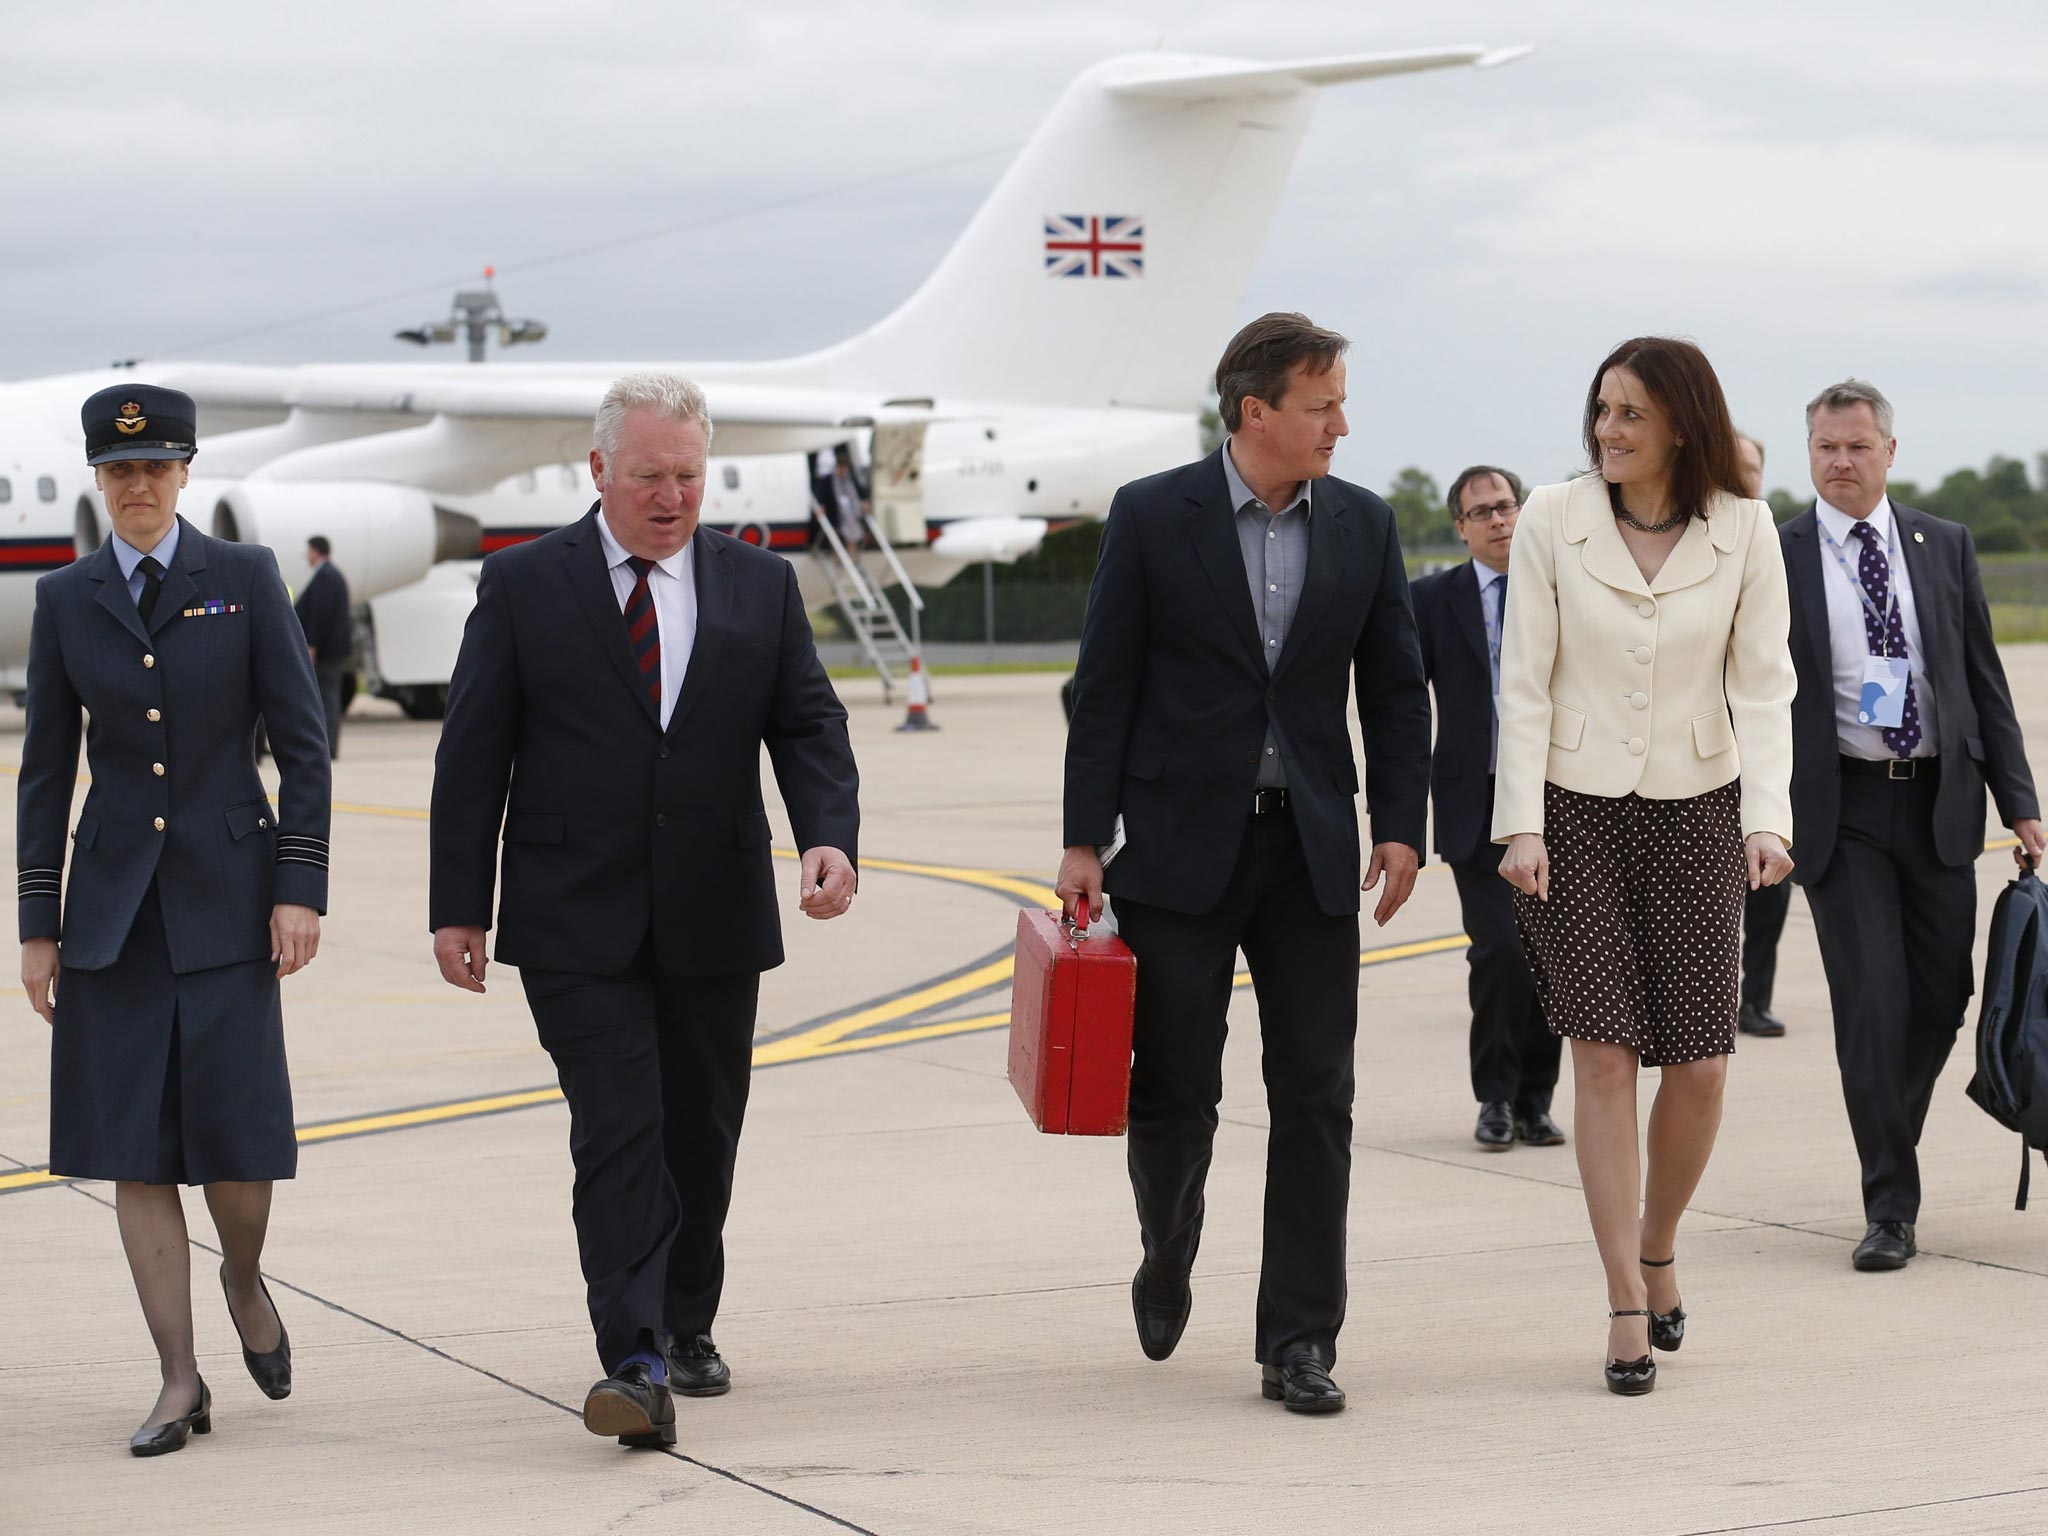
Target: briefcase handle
x=1077 y=925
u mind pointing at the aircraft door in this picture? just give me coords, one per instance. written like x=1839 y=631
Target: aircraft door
x=896 y=484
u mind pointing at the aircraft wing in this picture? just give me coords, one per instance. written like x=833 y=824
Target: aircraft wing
x=1208 y=78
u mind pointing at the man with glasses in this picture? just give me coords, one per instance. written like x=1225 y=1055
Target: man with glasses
x=1459 y=614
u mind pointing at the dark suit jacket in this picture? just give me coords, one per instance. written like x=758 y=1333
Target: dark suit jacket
x=1172 y=697
x=1452 y=627
x=181 y=696
x=615 y=826
x=1980 y=739
x=323 y=613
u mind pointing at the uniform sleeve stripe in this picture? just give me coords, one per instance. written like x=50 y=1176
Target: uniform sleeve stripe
x=286 y=858
x=287 y=840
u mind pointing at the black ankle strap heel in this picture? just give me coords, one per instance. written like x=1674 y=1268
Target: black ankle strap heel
x=1667 y=1329
x=1632 y=1378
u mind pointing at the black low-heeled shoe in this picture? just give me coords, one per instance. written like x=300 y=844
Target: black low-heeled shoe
x=1667 y=1329
x=161 y=1439
x=1631 y=1378
x=271 y=1370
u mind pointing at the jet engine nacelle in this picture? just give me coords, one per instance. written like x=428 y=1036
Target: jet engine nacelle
x=383 y=535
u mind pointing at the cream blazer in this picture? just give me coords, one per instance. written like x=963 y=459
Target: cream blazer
x=1668 y=687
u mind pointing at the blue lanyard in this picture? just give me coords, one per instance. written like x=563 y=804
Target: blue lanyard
x=1891 y=594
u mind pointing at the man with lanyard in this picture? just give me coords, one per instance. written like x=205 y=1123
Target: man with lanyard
x=1902 y=720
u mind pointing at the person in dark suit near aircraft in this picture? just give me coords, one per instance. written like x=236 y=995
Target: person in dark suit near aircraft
x=323 y=610
x=620 y=677
x=1459 y=614
x=189 y=896
x=1902 y=721
x=1764 y=909
x=1236 y=603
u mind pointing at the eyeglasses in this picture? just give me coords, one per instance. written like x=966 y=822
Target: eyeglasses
x=1487 y=514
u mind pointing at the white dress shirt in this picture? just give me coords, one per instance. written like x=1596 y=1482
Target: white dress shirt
x=129 y=558
x=672 y=583
x=1849 y=641
x=1491 y=589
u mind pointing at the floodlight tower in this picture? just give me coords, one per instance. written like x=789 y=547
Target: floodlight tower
x=476 y=312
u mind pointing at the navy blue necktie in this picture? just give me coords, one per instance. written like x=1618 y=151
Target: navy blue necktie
x=1873 y=569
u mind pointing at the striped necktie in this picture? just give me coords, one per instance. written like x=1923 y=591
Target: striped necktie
x=643 y=631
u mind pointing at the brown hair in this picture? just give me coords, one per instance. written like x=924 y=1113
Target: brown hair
x=1260 y=357
x=1682 y=382
x=1456 y=496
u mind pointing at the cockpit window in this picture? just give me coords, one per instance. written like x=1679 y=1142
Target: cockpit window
x=6 y=490
x=732 y=477
x=46 y=489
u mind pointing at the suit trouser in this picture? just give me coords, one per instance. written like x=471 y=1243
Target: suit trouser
x=1896 y=926
x=655 y=1068
x=1514 y=1054
x=1304 y=966
x=1763 y=924
x=330 y=674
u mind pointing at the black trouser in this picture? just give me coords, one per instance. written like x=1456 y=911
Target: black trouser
x=1304 y=966
x=1763 y=924
x=1514 y=1054
x=655 y=1069
x=1896 y=927
x=330 y=675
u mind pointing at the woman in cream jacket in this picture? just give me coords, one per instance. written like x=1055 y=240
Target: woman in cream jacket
x=1644 y=784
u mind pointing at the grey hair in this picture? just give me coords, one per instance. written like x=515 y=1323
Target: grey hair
x=669 y=395
x=1850 y=393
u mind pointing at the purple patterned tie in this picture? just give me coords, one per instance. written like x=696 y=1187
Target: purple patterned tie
x=1886 y=639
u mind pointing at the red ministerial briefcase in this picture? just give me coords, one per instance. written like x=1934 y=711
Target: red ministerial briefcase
x=1070 y=1027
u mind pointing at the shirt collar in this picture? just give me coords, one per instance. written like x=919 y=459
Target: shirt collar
x=1840 y=525
x=127 y=556
x=1240 y=493
x=616 y=555
x=1487 y=574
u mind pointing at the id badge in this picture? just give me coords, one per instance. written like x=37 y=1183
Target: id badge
x=1883 y=703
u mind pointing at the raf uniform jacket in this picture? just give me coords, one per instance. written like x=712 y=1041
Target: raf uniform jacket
x=1979 y=736
x=1173 y=697
x=171 y=712
x=1454 y=656
x=1666 y=687
x=617 y=828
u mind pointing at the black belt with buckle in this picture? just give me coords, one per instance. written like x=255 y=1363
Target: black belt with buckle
x=1266 y=801
x=1892 y=767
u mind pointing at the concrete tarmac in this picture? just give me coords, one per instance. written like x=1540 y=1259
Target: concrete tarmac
x=927 y=1303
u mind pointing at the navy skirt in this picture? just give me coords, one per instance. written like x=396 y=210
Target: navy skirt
x=164 y=1078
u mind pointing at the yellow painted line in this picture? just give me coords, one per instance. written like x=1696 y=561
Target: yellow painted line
x=401 y=1119
x=801 y=1047
x=28 y=1178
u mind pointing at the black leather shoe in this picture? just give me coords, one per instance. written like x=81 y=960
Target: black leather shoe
x=1667 y=1329
x=1536 y=1128
x=695 y=1370
x=1887 y=1245
x=1760 y=1022
x=1496 y=1128
x=1301 y=1381
x=1632 y=1378
x=160 y=1439
x=271 y=1370
x=1161 y=1309
x=633 y=1406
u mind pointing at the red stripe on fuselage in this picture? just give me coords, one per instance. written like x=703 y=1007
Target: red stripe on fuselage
x=36 y=554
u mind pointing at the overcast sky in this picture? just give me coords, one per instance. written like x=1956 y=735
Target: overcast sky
x=1807 y=190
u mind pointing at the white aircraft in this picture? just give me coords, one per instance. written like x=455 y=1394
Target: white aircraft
x=1060 y=349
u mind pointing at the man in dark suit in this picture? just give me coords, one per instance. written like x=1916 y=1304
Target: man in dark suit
x=1901 y=721
x=1459 y=614
x=1236 y=601
x=1763 y=909
x=323 y=610
x=622 y=675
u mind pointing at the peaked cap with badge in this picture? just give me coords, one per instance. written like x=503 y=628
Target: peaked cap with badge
x=139 y=421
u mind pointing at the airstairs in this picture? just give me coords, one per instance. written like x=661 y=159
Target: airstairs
x=861 y=596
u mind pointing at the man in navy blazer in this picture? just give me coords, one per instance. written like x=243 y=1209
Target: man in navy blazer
x=1237 y=602
x=1459 y=614
x=619 y=678
x=1902 y=720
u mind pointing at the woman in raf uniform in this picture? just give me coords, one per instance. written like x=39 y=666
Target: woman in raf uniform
x=189 y=896
x=1645 y=784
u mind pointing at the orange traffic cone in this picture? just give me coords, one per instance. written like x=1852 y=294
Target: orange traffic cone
x=919 y=716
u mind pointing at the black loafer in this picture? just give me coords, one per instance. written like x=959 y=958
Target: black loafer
x=695 y=1369
x=1301 y=1381
x=271 y=1370
x=1496 y=1128
x=1536 y=1128
x=1161 y=1309
x=1887 y=1245
x=1760 y=1022
x=161 y=1439
x=633 y=1406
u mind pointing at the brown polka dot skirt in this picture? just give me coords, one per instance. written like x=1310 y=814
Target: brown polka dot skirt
x=1640 y=941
